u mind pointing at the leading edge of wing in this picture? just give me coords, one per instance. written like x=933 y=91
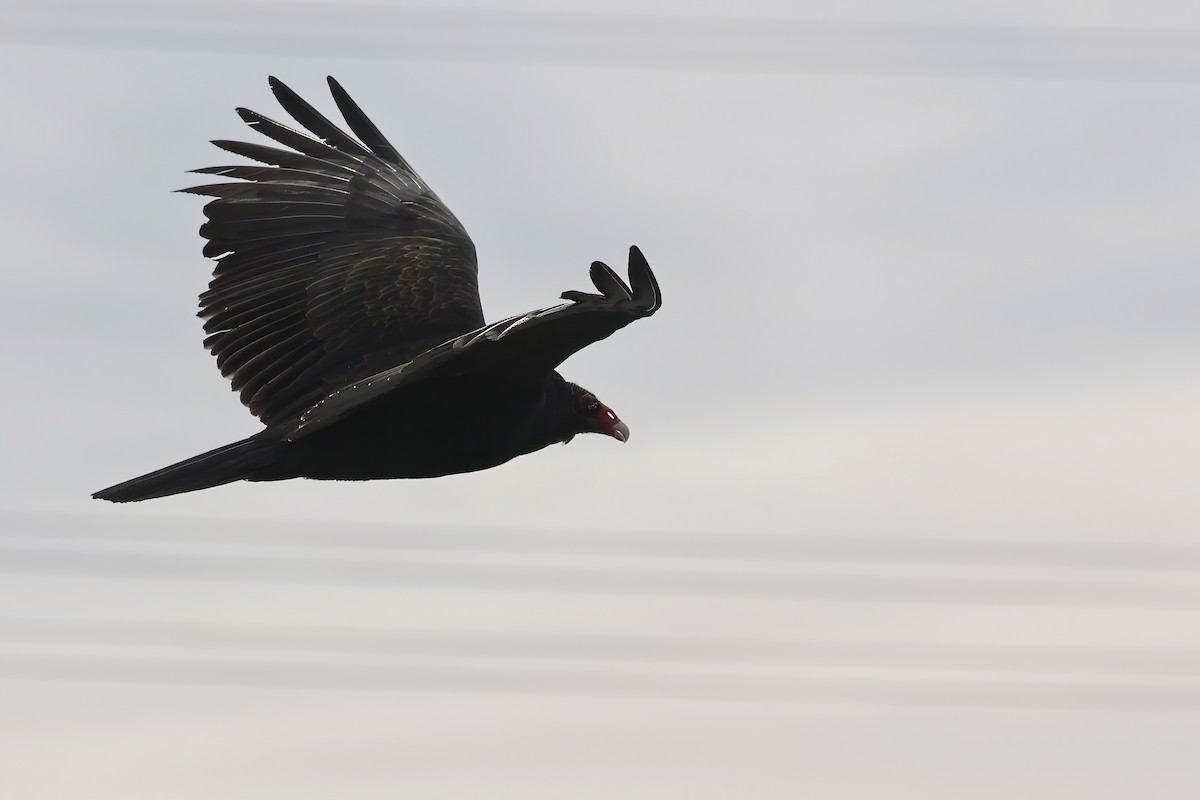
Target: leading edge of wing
x=617 y=305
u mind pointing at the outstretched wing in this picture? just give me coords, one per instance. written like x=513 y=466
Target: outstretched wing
x=535 y=342
x=335 y=260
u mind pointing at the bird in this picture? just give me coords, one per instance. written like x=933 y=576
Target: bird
x=344 y=308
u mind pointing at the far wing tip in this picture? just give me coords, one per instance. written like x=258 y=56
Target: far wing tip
x=645 y=286
x=609 y=282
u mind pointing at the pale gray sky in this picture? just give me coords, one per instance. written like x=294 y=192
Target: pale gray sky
x=920 y=306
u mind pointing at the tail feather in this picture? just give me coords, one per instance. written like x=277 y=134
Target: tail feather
x=227 y=464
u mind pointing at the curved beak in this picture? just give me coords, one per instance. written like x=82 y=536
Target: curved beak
x=607 y=422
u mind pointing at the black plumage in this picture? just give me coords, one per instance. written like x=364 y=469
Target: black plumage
x=344 y=308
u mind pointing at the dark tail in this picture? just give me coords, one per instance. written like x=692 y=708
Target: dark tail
x=227 y=464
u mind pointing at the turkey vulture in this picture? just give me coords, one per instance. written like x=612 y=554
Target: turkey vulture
x=344 y=307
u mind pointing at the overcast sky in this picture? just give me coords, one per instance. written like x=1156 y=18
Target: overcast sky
x=930 y=291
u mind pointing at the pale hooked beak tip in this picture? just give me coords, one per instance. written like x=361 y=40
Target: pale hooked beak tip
x=620 y=432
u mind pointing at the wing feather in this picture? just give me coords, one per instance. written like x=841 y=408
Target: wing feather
x=364 y=128
x=275 y=157
x=609 y=282
x=268 y=190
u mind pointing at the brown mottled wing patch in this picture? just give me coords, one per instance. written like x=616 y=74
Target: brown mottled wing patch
x=334 y=260
x=422 y=287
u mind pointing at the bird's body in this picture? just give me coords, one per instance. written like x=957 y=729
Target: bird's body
x=427 y=433
x=344 y=307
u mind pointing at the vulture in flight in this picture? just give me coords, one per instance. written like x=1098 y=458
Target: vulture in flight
x=344 y=308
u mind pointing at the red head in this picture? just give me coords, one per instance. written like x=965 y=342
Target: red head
x=589 y=415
